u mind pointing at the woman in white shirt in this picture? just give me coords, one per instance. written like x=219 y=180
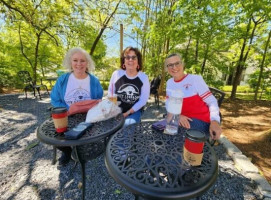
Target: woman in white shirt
x=200 y=110
x=131 y=85
x=76 y=85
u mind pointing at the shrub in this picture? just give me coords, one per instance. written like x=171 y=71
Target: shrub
x=105 y=84
x=240 y=89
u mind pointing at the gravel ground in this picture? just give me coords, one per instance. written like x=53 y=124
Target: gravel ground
x=27 y=173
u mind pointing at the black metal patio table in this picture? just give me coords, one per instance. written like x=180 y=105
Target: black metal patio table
x=148 y=163
x=89 y=146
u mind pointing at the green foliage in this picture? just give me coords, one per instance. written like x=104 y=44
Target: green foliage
x=265 y=81
x=105 y=85
x=35 y=37
x=208 y=34
x=193 y=69
x=6 y=79
x=240 y=89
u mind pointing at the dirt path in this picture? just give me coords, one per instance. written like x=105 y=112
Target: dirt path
x=247 y=124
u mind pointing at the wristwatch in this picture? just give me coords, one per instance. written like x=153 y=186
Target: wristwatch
x=129 y=112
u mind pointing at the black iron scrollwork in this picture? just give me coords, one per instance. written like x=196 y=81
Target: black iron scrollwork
x=147 y=156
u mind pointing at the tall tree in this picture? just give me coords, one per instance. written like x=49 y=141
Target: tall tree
x=262 y=65
x=246 y=46
x=102 y=12
x=39 y=18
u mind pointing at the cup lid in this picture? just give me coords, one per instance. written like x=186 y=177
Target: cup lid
x=57 y=110
x=195 y=135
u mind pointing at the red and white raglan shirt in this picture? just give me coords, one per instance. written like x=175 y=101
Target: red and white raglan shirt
x=198 y=101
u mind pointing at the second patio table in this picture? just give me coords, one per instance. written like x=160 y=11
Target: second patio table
x=149 y=164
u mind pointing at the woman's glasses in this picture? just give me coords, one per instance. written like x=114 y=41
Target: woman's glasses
x=171 y=65
x=130 y=57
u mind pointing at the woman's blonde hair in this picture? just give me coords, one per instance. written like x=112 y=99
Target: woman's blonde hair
x=67 y=62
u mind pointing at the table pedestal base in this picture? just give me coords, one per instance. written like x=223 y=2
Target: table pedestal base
x=54 y=155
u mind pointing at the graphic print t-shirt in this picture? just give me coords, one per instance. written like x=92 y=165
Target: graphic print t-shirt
x=77 y=90
x=128 y=91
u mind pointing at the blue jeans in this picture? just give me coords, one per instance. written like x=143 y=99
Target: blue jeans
x=200 y=126
x=133 y=118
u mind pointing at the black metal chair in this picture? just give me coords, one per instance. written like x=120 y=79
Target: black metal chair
x=154 y=87
x=218 y=94
x=29 y=84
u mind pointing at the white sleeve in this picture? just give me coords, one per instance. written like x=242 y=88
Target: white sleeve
x=208 y=98
x=145 y=93
x=113 y=79
x=168 y=87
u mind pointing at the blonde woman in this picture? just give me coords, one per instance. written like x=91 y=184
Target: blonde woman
x=76 y=85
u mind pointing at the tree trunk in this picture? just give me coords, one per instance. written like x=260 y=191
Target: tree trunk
x=104 y=26
x=197 y=51
x=96 y=41
x=242 y=60
x=240 y=63
x=186 y=50
x=166 y=47
x=205 y=59
x=262 y=66
x=36 y=57
x=163 y=77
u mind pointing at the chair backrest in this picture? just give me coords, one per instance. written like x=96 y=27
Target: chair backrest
x=25 y=77
x=218 y=94
x=155 y=83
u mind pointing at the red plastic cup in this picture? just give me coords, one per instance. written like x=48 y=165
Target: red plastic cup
x=60 y=118
x=194 y=141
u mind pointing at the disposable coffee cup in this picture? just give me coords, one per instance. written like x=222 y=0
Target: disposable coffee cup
x=113 y=98
x=60 y=118
x=193 y=147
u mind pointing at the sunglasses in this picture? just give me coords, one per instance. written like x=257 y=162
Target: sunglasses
x=130 y=57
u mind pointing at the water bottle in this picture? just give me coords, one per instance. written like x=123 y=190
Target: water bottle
x=172 y=124
x=174 y=108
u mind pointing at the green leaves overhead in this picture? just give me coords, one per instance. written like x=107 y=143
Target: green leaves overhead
x=216 y=38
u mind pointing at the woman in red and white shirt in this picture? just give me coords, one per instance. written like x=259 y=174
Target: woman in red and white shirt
x=200 y=109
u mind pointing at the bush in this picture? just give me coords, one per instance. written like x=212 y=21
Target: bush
x=105 y=84
x=240 y=89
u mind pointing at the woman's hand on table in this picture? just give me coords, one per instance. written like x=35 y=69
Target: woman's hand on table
x=126 y=114
x=184 y=121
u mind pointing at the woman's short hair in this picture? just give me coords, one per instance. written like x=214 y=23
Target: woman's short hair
x=125 y=53
x=67 y=62
x=172 y=55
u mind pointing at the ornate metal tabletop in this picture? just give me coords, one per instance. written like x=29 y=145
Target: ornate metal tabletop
x=46 y=131
x=149 y=163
